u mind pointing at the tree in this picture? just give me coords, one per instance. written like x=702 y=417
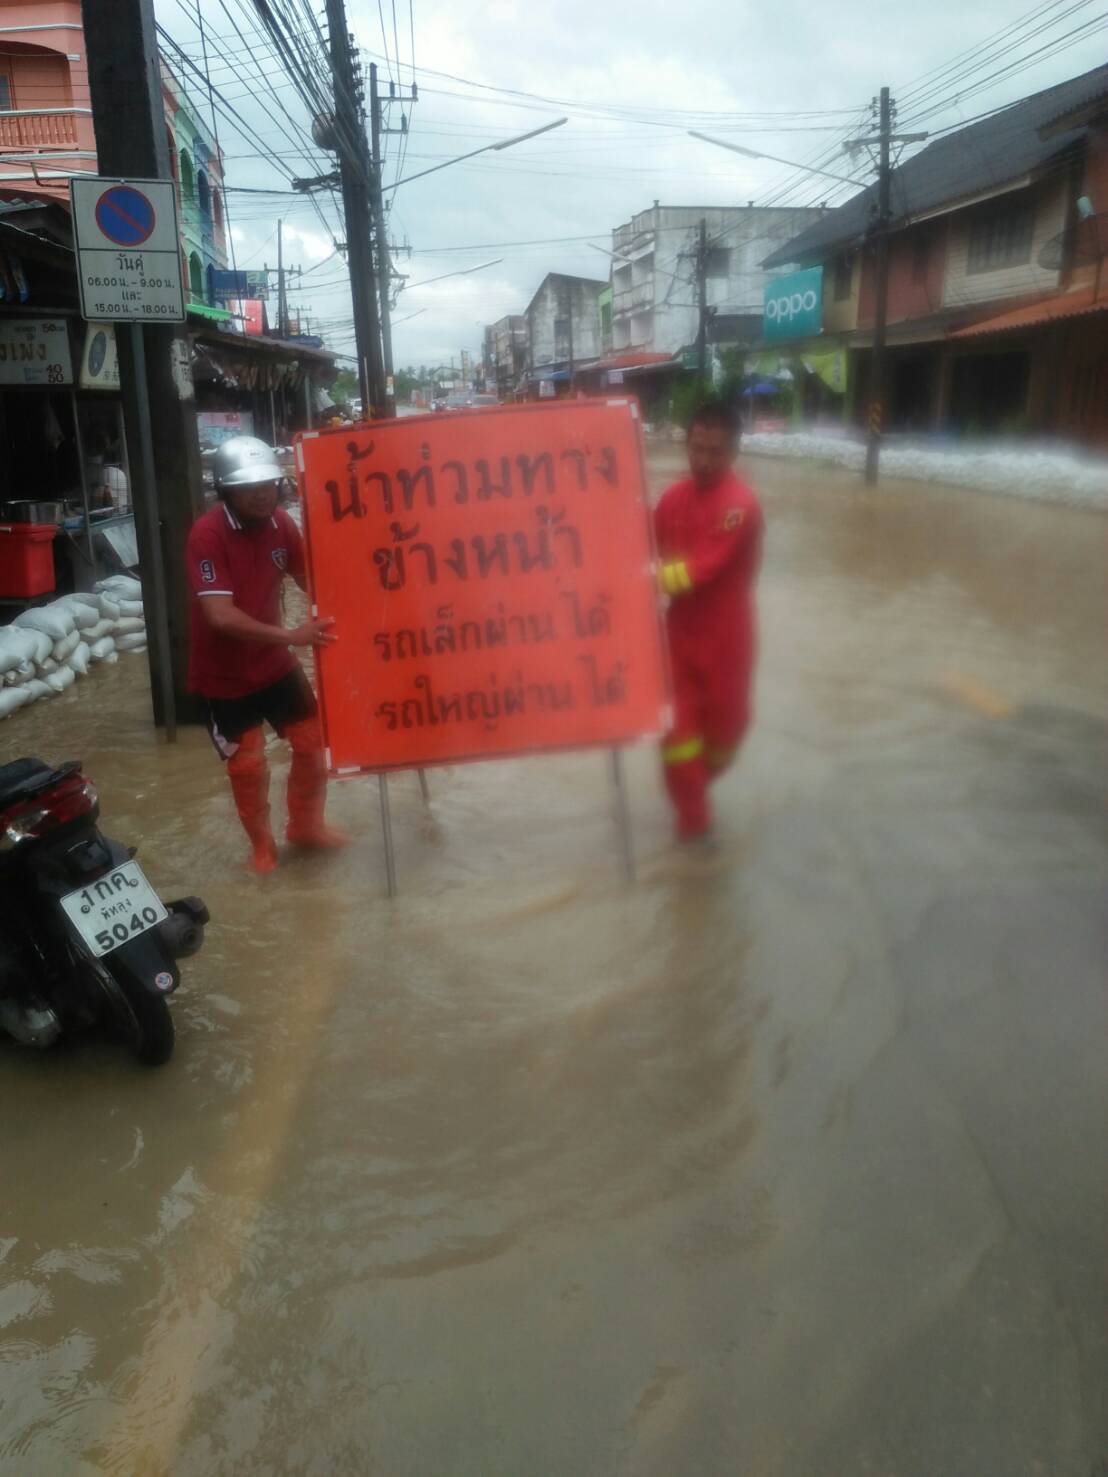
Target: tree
x=345 y=388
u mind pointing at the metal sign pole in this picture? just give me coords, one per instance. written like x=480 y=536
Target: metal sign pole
x=424 y=788
x=386 y=832
x=83 y=470
x=623 y=816
x=150 y=498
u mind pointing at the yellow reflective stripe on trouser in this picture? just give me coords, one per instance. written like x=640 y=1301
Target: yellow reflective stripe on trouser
x=676 y=578
x=682 y=752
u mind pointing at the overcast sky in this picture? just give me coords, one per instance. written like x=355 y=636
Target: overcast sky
x=789 y=78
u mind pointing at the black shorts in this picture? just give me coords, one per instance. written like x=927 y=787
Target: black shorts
x=283 y=702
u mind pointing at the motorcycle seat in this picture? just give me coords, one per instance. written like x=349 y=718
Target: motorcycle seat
x=23 y=778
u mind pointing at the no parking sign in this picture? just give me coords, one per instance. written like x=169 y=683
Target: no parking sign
x=129 y=255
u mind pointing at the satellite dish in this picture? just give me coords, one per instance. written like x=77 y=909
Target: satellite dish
x=1086 y=241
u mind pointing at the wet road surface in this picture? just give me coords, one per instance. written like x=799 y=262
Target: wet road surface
x=787 y=1163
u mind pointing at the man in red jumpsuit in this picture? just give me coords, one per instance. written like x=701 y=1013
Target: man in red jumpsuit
x=238 y=555
x=709 y=534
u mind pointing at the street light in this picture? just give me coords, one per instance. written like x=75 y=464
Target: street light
x=507 y=143
x=758 y=154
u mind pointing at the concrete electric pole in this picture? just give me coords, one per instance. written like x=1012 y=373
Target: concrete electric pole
x=131 y=142
x=875 y=423
x=884 y=141
x=355 y=174
x=384 y=263
x=702 y=302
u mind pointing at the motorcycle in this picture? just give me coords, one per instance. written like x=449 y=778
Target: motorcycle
x=84 y=938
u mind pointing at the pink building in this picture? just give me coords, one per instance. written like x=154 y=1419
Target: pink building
x=46 y=129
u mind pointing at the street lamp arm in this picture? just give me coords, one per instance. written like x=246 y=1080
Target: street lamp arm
x=757 y=154
x=486 y=148
x=461 y=272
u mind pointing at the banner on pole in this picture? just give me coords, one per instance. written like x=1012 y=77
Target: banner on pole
x=490 y=575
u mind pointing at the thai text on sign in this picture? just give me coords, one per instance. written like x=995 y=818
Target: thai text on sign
x=490 y=577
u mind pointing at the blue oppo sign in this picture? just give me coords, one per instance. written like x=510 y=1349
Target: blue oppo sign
x=793 y=306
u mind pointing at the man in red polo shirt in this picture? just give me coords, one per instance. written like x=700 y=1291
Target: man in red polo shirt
x=238 y=556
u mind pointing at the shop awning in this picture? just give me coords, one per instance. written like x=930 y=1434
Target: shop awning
x=213 y=315
x=1032 y=315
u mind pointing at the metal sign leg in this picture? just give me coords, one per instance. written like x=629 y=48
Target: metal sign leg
x=623 y=816
x=424 y=788
x=386 y=832
x=157 y=574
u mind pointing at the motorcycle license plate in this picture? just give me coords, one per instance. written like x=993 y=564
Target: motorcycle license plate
x=114 y=909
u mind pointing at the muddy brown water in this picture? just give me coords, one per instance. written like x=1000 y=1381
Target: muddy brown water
x=786 y=1163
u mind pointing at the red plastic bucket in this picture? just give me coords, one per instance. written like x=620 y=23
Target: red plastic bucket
x=26 y=559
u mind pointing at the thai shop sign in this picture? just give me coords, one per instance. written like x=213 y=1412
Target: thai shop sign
x=35 y=351
x=793 y=306
x=231 y=286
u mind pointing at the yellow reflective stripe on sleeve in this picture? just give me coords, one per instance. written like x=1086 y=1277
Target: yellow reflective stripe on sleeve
x=675 y=577
x=681 y=753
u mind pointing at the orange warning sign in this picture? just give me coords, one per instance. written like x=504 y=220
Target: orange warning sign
x=489 y=573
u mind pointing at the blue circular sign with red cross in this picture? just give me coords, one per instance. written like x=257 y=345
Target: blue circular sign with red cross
x=125 y=215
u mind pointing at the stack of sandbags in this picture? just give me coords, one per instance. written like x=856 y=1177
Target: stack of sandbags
x=48 y=647
x=121 y=600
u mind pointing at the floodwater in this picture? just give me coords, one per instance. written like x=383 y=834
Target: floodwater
x=786 y=1163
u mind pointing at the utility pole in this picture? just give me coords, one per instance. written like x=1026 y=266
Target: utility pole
x=881 y=306
x=569 y=321
x=131 y=142
x=355 y=175
x=384 y=263
x=884 y=141
x=702 y=302
x=282 y=309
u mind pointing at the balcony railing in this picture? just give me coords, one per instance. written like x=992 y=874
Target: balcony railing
x=633 y=299
x=40 y=128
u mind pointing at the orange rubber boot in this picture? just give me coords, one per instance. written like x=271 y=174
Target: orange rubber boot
x=249 y=776
x=307 y=791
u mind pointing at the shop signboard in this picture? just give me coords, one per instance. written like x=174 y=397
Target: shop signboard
x=99 y=361
x=232 y=286
x=216 y=426
x=490 y=576
x=128 y=250
x=793 y=306
x=35 y=351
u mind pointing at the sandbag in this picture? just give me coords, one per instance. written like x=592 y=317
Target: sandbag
x=32 y=646
x=131 y=641
x=78 y=660
x=64 y=648
x=129 y=625
x=12 y=653
x=55 y=621
x=61 y=679
x=131 y=608
x=110 y=657
x=39 y=689
x=119 y=587
x=18 y=675
x=109 y=608
x=101 y=628
x=12 y=698
x=46 y=667
x=104 y=647
x=85 y=611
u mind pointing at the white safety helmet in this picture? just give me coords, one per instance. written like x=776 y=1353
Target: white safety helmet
x=244 y=461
